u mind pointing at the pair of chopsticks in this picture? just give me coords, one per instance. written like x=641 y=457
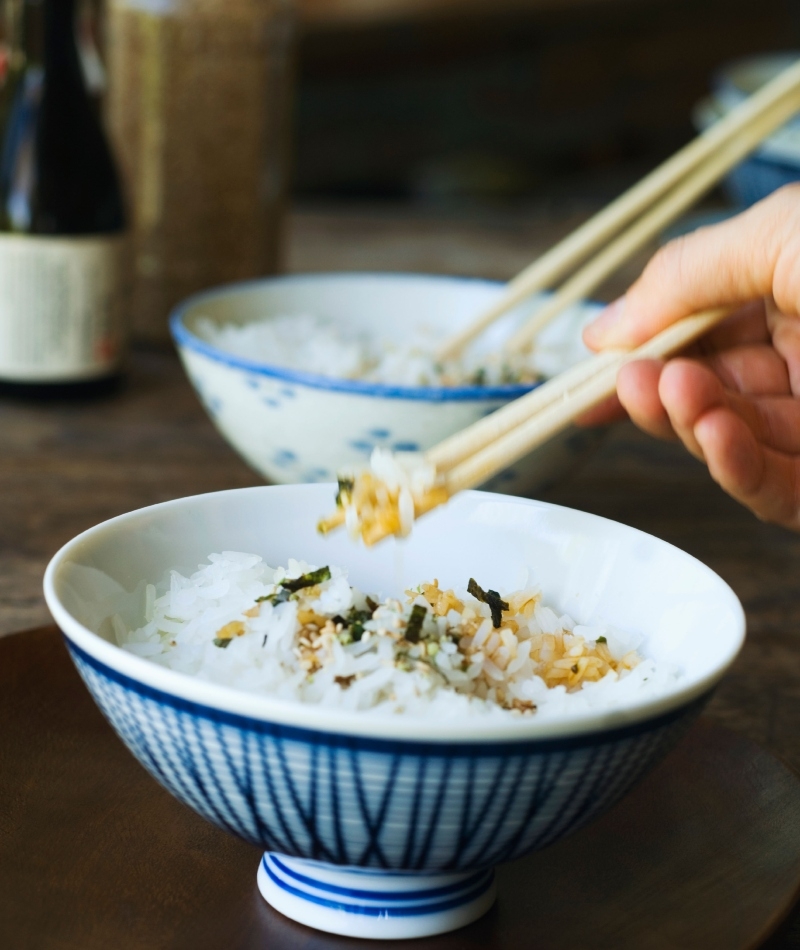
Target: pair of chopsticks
x=630 y=222
x=471 y=457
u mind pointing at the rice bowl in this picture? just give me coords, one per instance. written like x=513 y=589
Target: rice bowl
x=428 y=802
x=303 y=423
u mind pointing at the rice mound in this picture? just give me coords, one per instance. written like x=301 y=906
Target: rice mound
x=303 y=633
x=314 y=344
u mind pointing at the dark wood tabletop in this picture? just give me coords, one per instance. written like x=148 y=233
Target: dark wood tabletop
x=65 y=467
x=94 y=854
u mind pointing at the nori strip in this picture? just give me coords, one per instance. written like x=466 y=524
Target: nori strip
x=319 y=576
x=287 y=588
x=496 y=604
x=346 y=486
x=354 y=622
x=357 y=618
x=415 y=621
x=279 y=597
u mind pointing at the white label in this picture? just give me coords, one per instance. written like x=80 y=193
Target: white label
x=59 y=307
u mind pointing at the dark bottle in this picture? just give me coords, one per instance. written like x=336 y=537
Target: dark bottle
x=61 y=213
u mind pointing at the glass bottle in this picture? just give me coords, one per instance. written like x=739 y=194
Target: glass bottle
x=61 y=213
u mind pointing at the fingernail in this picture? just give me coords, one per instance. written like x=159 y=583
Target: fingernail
x=599 y=329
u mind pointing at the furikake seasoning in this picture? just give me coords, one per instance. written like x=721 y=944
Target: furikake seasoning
x=353 y=623
x=343 y=495
x=289 y=587
x=491 y=597
x=415 y=622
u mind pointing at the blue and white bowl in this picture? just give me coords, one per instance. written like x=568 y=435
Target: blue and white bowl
x=389 y=826
x=777 y=162
x=294 y=426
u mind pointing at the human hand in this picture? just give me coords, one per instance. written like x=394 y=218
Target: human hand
x=734 y=398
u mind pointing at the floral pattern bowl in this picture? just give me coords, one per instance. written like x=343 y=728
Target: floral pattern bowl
x=294 y=426
x=376 y=825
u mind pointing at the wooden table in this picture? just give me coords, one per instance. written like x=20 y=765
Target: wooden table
x=94 y=854
x=64 y=468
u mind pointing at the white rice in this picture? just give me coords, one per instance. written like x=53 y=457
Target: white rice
x=212 y=625
x=316 y=345
x=385 y=497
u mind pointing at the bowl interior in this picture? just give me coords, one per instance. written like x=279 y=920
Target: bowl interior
x=385 y=307
x=588 y=567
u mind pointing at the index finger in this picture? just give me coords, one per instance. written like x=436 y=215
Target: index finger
x=734 y=262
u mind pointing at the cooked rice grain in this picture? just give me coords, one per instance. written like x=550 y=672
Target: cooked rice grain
x=234 y=622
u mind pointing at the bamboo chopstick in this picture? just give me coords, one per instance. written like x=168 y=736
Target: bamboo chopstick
x=477 y=468
x=449 y=452
x=454 y=449
x=667 y=210
x=472 y=456
x=576 y=247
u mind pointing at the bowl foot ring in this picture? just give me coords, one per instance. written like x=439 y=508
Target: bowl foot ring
x=373 y=903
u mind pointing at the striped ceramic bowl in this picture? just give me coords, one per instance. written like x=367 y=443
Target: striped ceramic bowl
x=378 y=826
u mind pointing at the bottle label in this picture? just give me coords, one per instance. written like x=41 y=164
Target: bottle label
x=59 y=307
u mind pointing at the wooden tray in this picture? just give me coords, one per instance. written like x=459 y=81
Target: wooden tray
x=704 y=854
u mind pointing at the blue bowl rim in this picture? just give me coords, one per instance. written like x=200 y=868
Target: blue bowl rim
x=305 y=715
x=185 y=338
x=487 y=747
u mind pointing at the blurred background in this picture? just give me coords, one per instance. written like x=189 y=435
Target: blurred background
x=456 y=136
x=508 y=100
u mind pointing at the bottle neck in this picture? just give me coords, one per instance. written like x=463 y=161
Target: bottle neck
x=49 y=39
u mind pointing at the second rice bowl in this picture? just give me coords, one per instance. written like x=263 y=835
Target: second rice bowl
x=389 y=825
x=297 y=426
